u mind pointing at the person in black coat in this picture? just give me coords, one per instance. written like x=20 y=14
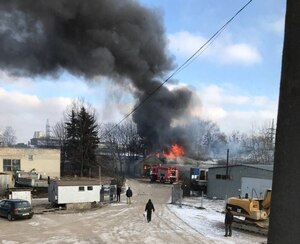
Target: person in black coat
x=119 y=193
x=129 y=195
x=228 y=222
x=149 y=207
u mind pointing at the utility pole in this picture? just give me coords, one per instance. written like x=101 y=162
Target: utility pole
x=100 y=175
x=227 y=162
x=285 y=213
x=272 y=133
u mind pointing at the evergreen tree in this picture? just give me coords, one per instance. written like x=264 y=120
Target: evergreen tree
x=81 y=140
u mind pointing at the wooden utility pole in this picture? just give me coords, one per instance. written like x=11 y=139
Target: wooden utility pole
x=285 y=210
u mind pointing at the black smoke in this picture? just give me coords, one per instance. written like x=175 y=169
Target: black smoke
x=90 y=38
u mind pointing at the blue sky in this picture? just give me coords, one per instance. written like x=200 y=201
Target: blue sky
x=236 y=78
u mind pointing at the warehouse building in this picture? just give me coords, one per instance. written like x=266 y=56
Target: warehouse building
x=235 y=180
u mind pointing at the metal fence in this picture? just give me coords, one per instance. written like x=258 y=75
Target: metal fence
x=177 y=194
x=108 y=193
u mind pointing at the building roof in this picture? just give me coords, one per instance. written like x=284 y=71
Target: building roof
x=77 y=182
x=268 y=167
x=257 y=166
x=14 y=189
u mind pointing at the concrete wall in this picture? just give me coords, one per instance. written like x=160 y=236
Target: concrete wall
x=224 y=188
x=45 y=161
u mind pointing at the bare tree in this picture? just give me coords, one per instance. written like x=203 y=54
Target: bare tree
x=236 y=145
x=123 y=141
x=260 y=145
x=206 y=138
x=58 y=131
x=9 y=136
x=111 y=135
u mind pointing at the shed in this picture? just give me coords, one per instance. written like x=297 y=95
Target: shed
x=20 y=193
x=67 y=192
x=235 y=180
x=6 y=181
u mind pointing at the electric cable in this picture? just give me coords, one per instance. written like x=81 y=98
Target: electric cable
x=192 y=58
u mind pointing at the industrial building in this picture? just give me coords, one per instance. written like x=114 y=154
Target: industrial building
x=235 y=180
x=46 y=162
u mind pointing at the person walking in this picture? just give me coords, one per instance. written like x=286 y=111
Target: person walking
x=228 y=222
x=129 y=195
x=119 y=193
x=149 y=207
x=102 y=194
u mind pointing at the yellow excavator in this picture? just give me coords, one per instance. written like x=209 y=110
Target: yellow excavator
x=256 y=211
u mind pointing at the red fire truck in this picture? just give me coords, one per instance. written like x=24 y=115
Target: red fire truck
x=164 y=174
x=146 y=170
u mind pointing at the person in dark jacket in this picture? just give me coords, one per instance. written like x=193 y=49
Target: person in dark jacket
x=119 y=193
x=149 y=207
x=129 y=195
x=228 y=222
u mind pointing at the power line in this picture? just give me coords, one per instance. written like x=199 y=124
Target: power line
x=185 y=64
x=209 y=41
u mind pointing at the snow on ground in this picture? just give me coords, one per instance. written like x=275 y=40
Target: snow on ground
x=209 y=221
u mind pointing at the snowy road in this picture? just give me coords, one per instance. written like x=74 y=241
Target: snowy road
x=115 y=223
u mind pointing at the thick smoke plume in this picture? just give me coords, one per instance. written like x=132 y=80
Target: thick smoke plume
x=91 y=38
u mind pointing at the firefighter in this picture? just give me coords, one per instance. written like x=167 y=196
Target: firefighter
x=149 y=207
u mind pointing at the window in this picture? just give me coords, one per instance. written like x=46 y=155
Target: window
x=90 y=188
x=22 y=204
x=81 y=188
x=11 y=165
x=223 y=177
x=30 y=157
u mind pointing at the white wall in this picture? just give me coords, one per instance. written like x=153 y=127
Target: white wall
x=25 y=195
x=71 y=194
x=252 y=185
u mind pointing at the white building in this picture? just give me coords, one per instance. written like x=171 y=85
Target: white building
x=66 y=192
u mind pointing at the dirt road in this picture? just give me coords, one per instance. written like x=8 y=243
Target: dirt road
x=115 y=223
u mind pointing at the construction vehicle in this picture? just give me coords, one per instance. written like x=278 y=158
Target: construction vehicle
x=164 y=174
x=255 y=212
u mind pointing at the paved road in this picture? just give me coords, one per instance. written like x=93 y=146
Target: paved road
x=115 y=223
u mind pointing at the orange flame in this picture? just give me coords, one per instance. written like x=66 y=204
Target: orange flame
x=175 y=151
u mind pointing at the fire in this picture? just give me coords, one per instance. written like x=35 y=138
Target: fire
x=175 y=151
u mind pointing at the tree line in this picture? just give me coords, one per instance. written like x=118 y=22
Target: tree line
x=87 y=145
x=82 y=136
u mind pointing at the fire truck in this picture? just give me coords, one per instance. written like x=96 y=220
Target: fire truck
x=146 y=170
x=164 y=174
